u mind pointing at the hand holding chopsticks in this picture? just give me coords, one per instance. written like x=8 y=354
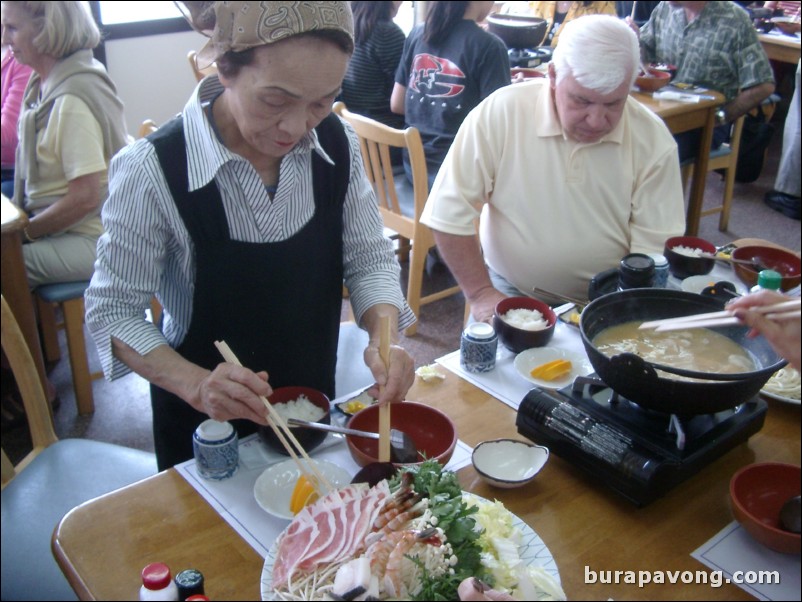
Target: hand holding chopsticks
x=305 y=464
x=785 y=310
x=384 y=409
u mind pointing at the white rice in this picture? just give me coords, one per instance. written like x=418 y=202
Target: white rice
x=526 y=319
x=300 y=409
x=688 y=251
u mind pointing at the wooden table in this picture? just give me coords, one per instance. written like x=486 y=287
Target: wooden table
x=681 y=117
x=781 y=47
x=102 y=545
x=15 y=280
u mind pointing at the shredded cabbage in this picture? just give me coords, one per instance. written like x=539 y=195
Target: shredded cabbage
x=500 y=542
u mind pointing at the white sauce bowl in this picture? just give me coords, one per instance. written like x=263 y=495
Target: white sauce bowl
x=508 y=463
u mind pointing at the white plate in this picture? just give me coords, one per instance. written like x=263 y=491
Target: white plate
x=533 y=552
x=273 y=489
x=782 y=398
x=527 y=360
x=696 y=284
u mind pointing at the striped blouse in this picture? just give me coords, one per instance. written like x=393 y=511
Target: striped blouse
x=146 y=249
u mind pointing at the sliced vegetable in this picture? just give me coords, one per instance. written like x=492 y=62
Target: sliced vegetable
x=303 y=494
x=553 y=370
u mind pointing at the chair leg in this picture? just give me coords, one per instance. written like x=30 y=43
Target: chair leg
x=417 y=265
x=79 y=364
x=49 y=328
x=729 y=186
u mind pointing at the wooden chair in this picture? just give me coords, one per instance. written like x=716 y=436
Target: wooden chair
x=69 y=297
x=147 y=127
x=53 y=478
x=199 y=73
x=723 y=158
x=399 y=203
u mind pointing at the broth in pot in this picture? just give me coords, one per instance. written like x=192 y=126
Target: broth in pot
x=697 y=349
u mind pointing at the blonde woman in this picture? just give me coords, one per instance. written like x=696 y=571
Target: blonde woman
x=71 y=125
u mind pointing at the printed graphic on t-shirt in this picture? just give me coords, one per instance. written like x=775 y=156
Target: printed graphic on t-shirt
x=436 y=77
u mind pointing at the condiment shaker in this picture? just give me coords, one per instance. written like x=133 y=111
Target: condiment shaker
x=216 y=448
x=157 y=583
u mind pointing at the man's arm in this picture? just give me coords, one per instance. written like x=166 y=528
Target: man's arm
x=464 y=258
x=747 y=100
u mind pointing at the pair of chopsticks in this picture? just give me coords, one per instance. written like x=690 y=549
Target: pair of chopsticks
x=785 y=310
x=305 y=464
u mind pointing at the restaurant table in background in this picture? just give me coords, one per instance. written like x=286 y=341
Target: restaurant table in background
x=103 y=544
x=15 y=280
x=780 y=47
x=680 y=117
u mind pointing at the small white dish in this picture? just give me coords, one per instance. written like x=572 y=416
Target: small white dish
x=696 y=284
x=527 y=360
x=508 y=463
x=273 y=489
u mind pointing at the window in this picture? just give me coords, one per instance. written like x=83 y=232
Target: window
x=122 y=19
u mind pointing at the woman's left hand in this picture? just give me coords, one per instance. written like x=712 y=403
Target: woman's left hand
x=393 y=381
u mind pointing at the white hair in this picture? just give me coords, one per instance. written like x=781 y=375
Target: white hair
x=600 y=51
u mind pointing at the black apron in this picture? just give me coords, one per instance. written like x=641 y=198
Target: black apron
x=277 y=305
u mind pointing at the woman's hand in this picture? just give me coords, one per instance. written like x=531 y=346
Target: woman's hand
x=231 y=391
x=784 y=336
x=392 y=383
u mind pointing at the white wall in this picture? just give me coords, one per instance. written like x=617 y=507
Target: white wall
x=152 y=75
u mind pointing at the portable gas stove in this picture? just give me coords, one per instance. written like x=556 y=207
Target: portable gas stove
x=529 y=57
x=639 y=453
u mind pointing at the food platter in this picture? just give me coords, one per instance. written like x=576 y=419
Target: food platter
x=273 y=489
x=533 y=552
x=788 y=373
x=531 y=358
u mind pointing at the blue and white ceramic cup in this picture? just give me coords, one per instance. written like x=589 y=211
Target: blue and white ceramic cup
x=216 y=447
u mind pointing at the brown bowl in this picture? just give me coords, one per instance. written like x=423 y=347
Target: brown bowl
x=757 y=494
x=682 y=266
x=308 y=438
x=434 y=433
x=787 y=264
x=787 y=25
x=517 y=339
x=655 y=80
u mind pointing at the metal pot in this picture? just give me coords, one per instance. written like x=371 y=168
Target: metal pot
x=637 y=380
x=518 y=31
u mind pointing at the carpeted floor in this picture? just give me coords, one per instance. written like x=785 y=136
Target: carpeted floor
x=123 y=413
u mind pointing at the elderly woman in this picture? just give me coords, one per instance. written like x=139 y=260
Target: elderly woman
x=71 y=125
x=245 y=215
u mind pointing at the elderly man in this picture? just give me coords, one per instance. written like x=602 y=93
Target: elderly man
x=713 y=45
x=569 y=174
x=245 y=215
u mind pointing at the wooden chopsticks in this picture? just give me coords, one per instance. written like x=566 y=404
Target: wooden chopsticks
x=305 y=464
x=384 y=409
x=785 y=310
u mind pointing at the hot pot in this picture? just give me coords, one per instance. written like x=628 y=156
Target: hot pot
x=638 y=380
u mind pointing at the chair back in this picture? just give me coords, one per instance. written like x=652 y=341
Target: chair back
x=192 y=57
x=148 y=127
x=37 y=409
x=376 y=139
x=399 y=206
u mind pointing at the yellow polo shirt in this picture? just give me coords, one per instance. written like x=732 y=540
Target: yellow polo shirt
x=556 y=211
x=70 y=146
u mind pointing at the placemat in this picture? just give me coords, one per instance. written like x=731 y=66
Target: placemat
x=233 y=498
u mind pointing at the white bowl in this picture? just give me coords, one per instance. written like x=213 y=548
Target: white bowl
x=508 y=463
x=273 y=489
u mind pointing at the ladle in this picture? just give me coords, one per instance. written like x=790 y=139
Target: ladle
x=754 y=262
x=790 y=515
x=402 y=448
